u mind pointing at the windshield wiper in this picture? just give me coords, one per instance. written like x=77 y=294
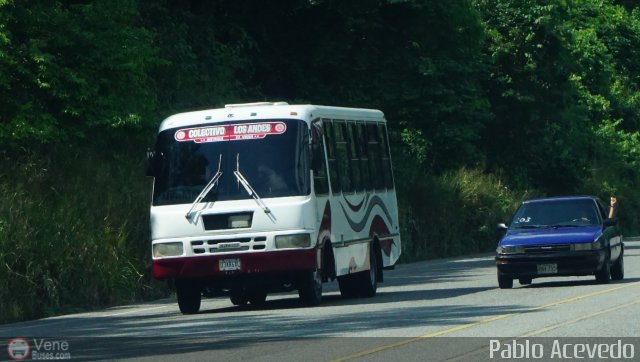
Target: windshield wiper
x=207 y=188
x=567 y=225
x=248 y=187
x=532 y=227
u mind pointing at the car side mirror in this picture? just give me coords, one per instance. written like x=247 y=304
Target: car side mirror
x=502 y=227
x=610 y=222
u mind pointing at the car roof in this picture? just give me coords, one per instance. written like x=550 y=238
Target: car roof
x=561 y=198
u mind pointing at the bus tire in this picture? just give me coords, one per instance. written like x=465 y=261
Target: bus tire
x=238 y=297
x=257 y=298
x=310 y=289
x=368 y=283
x=348 y=286
x=189 y=295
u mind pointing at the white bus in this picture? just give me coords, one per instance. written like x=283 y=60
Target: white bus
x=269 y=197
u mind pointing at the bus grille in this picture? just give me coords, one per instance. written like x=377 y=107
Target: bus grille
x=228 y=245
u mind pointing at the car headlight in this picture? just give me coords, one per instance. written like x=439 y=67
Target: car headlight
x=293 y=241
x=596 y=245
x=167 y=249
x=510 y=249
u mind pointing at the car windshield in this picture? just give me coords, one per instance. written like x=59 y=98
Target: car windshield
x=556 y=213
x=271 y=154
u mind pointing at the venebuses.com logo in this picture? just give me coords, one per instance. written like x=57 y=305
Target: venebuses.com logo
x=42 y=349
x=18 y=348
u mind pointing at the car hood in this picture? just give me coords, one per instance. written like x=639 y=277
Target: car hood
x=551 y=236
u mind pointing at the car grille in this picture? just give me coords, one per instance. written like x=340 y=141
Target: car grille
x=544 y=249
x=227 y=245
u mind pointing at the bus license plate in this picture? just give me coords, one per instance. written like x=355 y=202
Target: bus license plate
x=229 y=264
x=547 y=268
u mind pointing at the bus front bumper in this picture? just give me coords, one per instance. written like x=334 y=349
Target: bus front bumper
x=211 y=266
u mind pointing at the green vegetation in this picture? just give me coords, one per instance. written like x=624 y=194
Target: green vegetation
x=489 y=102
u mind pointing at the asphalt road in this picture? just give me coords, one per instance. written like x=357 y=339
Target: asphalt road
x=428 y=311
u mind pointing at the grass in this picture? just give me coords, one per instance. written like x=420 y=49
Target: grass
x=73 y=233
x=453 y=214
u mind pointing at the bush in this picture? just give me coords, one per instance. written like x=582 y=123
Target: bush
x=453 y=214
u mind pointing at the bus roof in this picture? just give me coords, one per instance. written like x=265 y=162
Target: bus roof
x=268 y=110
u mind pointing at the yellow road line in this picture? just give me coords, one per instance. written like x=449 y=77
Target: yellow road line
x=563 y=324
x=484 y=321
x=542 y=330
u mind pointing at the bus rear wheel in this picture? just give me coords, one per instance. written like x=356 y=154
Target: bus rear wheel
x=189 y=295
x=361 y=284
x=368 y=283
x=348 y=286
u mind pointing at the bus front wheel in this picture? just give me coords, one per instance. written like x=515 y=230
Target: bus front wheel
x=310 y=290
x=189 y=294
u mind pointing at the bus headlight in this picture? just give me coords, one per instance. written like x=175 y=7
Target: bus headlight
x=167 y=249
x=293 y=241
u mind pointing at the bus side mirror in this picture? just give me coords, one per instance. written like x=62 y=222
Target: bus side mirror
x=502 y=227
x=316 y=157
x=316 y=147
x=152 y=163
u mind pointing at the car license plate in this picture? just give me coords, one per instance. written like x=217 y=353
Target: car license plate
x=229 y=264
x=547 y=268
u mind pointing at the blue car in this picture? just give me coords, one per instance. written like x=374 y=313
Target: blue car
x=560 y=237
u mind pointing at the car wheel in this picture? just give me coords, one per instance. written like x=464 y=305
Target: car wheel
x=310 y=290
x=189 y=296
x=505 y=281
x=524 y=281
x=603 y=276
x=617 y=270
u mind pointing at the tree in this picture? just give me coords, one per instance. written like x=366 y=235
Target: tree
x=70 y=68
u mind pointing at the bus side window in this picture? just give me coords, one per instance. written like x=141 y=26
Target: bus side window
x=375 y=156
x=354 y=155
x=386 y=156
x=334 y=176
x=364 y=157
x=342 y=156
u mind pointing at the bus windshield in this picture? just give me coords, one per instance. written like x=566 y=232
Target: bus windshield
x=271 y=154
